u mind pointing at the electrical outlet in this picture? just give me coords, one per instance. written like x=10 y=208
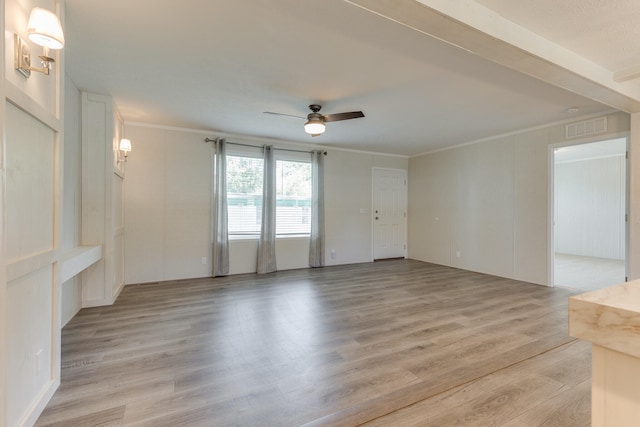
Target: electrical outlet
x=333 y=254
x=204 y=261
x=457 y=254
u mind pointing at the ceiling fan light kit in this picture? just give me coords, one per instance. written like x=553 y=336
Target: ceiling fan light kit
x=315 y=124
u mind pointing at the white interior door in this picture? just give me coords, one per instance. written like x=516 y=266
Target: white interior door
x=389 y=213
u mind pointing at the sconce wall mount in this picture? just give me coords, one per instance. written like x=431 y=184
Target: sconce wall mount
x=23 y=58
x=45 y=30
x=123 y=150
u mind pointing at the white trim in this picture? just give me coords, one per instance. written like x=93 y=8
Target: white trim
x=30 y=264
x=260 y=140
x=583 y=159
x=406 y=208
x=551 y=244
x=627 y=210
x=40 y=402
x=25 y=103
x=590 y=139
x=519 y=132
x=551 y=197
x=634 y=200
x=78 y=259
x=4 y=348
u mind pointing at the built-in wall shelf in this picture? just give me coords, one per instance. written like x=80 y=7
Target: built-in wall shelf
x=78 y=259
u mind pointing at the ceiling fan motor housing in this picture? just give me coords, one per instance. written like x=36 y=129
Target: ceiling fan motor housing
x=315 y=117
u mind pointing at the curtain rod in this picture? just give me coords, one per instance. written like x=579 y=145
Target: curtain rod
x=261 y=146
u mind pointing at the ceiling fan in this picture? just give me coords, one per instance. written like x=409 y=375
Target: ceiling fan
x=315 y=124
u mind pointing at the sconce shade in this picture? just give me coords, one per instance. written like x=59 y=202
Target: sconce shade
x=125 y=145
x=44 y=29
x=314 y=126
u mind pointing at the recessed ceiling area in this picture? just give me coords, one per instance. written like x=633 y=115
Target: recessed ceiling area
x=219 y=65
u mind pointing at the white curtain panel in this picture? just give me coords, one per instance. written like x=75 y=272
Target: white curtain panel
x=220 y=223
x=267 y=242
x=316 y=246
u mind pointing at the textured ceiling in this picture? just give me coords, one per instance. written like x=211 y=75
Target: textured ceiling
x=605 y=31
x=217 y=65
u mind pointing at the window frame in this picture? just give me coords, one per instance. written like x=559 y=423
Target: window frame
x=290 y=156
x=248 y=152
x=279 y=155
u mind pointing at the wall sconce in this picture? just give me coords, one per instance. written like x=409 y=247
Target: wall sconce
x=44 y=29
x=124 y=148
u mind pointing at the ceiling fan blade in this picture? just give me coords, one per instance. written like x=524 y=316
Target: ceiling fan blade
x=282 y=114
x=343 y=116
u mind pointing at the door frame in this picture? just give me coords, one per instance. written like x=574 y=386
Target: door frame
x=406 y=211
x=552 y=201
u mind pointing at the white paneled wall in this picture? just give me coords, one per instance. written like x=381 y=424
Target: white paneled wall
x=483 y=193
x=348 y=203
x=31 y=217
x=485 y=206
x=168 y=208
x=168 y=205
x=117 y=235
x=30 y=151
x=430 y=188
x=590 y=207
x=530 y=209
x=71 y=299
x=4 y=345
x=30 y=185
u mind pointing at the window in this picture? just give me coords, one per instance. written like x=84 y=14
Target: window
x=244 y=196
x=293 y=197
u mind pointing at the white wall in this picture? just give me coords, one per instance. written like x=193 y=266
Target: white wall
x=4 y=349
x=485 y=207
x=590 y=207
x=33 y=146
x=168 y=208
x=348 y=189
x=102 y=208
x=71 y=299
x=633 y=254
x=30 y=194
x=167 y=205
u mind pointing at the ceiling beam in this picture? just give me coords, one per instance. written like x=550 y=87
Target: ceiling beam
x=477 y=29
x=627 y=74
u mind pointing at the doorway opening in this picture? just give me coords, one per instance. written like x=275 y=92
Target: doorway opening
x=590 y=214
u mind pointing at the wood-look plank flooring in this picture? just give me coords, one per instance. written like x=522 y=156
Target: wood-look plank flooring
x=392 y=343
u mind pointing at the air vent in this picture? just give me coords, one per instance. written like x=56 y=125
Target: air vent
x=587 y=127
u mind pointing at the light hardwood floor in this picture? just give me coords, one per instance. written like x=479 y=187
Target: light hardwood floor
x=392 y=343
